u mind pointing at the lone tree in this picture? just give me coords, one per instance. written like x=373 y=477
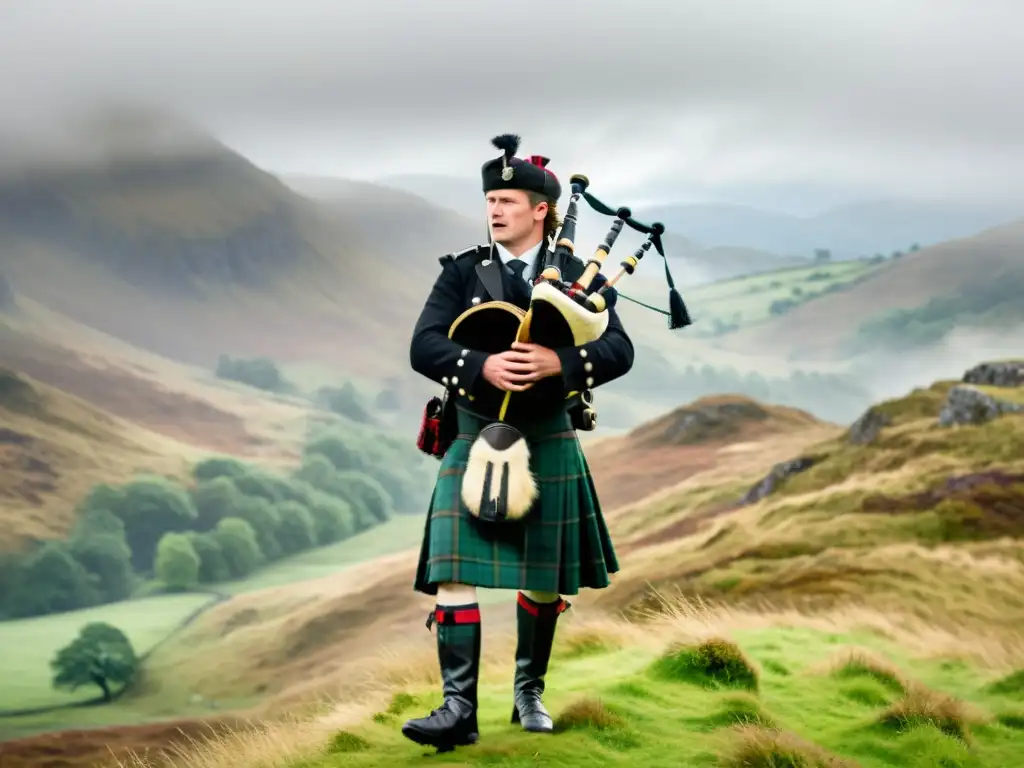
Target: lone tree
x=101 y=655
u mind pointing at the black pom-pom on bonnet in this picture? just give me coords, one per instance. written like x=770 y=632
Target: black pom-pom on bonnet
x=507 y=143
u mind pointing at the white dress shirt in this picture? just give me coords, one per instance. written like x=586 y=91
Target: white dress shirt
x=530 y=257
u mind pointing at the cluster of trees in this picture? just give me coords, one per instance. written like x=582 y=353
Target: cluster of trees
x=824 y=255
x=800 y=296
x=228 y=519
x=345 y=400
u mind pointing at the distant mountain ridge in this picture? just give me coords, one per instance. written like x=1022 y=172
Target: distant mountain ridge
x=701 y=264
x=413 y=227
x=962 y=283
x=197 y=254
x=848 y=231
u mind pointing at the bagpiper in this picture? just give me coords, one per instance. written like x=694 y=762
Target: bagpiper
x=562 y=544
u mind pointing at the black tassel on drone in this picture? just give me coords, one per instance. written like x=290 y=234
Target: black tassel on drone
x=507 y=143
x=678 y=315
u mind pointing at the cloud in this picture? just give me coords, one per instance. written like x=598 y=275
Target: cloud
x=908 y=96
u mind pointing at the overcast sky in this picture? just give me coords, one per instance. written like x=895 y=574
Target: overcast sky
x=688 y=98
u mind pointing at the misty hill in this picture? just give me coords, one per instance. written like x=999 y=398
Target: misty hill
x=700 y=264
x=857 y=229
x=409 y=226
x=462 y=194
x=54 y=447
x=918 y=299
x=700 y=436
x=810 y=596
x=940 y=468
x=194 y=251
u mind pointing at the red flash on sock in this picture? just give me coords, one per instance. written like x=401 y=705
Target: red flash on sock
x=469 y=614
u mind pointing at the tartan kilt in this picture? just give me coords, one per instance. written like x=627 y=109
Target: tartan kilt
x=561 y=545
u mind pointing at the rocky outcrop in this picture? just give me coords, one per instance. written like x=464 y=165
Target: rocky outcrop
x=1006 y=374
x=865 y=429
x=967 y=405
x=780 y=472
x=706 y=420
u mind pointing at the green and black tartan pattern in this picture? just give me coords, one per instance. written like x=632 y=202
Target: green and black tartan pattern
x=561 y=546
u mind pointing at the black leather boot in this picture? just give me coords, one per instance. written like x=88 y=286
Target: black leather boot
x=454 y=723
x=536 y=632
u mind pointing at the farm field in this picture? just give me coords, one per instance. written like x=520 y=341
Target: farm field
x=748 y=300
x=397 y=534
x=29 y=644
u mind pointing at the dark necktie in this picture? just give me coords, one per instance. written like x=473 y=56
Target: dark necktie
x=520 y=290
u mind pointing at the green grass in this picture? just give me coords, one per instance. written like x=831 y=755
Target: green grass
x=747 y=300
x=393 y=536
x=621 y=708
x=27 y=645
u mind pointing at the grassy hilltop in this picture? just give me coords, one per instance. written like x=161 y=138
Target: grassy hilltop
x=916 y=300
x=797 y=593
x=188 y=336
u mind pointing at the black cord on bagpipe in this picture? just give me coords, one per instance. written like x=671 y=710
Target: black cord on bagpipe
x=677 y=313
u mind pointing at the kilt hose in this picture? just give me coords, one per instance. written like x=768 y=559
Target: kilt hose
x=562 y=545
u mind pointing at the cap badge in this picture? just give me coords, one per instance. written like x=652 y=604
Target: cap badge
x=507 y=172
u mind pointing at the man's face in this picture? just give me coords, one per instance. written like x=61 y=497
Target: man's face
x=511 y=217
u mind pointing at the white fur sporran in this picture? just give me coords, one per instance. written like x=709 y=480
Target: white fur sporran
x=498 y=484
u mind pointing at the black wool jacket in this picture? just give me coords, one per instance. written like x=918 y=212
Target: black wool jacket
x=458 y=287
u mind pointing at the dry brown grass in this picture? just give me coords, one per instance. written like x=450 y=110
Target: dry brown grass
x=407 y=663
x=637 y=476
x=587 y=713
x=755 y=746
x=869 y=525
x=712 y=662
x=862 y=662
x=55 y=447
x=185 y=402
x=921 y=705
x=269 y=744
x=298 y=643
x=100 y=410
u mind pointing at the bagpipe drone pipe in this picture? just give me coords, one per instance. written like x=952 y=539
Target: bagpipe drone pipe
x=498 y=484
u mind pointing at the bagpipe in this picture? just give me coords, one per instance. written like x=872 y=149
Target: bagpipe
x=498 y=484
